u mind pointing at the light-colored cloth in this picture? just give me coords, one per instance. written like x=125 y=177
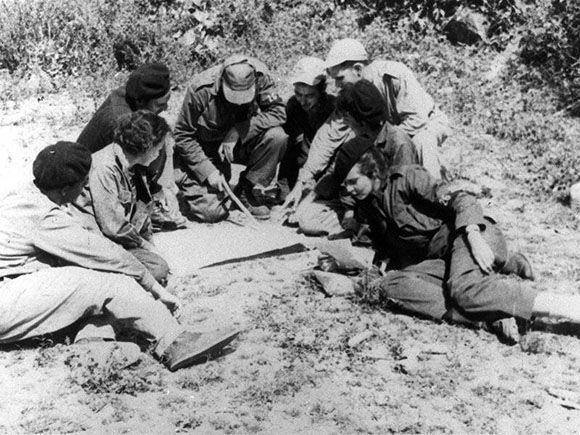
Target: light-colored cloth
x=51 y=299
x=409 y=106
x=36 y=233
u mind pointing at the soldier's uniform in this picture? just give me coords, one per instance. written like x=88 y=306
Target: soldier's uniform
x=203 y=123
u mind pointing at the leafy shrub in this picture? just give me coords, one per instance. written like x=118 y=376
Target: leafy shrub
x=551 y=46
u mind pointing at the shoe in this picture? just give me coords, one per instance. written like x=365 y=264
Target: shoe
x=161 y=219
x=257 y=208
x=506 y=330
x=191 y=347
x=519 y=265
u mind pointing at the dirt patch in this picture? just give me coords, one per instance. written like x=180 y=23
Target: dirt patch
x=292 y=369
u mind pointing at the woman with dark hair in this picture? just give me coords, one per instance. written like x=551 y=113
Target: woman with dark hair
x=117 y=198
x=442 y=254
x=362 y=108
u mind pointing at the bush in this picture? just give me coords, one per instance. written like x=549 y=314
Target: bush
x=551 y=47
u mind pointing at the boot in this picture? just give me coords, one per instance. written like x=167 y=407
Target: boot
x=506 y=330
x=161 y=219
x=519 y=265
x=257 y=207
x=192 y=347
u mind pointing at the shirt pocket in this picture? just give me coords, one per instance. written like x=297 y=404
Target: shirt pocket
x=127 y=200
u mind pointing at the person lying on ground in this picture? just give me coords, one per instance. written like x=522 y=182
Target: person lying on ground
x=55 y=273
x=231 y=113
x=117 y=200
x=444 y=258
x=408 y=105
x=147 y=88
x=306 y=111
x=360 y=104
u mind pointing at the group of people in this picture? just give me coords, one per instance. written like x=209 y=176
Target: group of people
x=76 y=247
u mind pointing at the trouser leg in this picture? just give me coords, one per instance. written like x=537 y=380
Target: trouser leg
x=51 y=299
x=418 y=289
x=154 y=263
x=199 y=201
x=320 y=217
x=293 y=160
x=486 y=297
x=261 y=155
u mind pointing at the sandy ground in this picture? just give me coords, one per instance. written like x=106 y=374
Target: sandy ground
x=293 y=370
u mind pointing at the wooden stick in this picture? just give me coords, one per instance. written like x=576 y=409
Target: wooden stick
x=239 y=203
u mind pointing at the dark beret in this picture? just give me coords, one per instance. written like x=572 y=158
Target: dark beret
x=363 y=101
x=346 y=157
x=61 y=164
x=148 y=82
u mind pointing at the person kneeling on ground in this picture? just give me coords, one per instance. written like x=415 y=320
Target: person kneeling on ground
x=443 y=256
x=362 y=108
x=408 y=106
x=147 y=88
x=54 y=272
x=231 y=113
x=117 y=200
x=306 y=111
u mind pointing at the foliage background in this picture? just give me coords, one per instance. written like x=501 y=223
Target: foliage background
x=522 y=84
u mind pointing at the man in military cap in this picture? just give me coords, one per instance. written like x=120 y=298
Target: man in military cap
x=306 y=111
x=231 y=113
x=147 y=88
x=409 y=107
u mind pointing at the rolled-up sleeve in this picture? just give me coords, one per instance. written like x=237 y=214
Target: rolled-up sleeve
x=60 y=235
x=187 y=147
x=414 y=104
x=329 y=137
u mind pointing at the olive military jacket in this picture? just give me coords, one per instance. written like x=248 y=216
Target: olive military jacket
x=413 y=216
x=206 y=117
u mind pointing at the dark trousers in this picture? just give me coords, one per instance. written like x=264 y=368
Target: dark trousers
x=294 y=158
x=455 y=288
x=260 y=153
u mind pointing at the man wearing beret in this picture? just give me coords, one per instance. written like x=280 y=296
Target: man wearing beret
x=409 y=106
x=306 y=111
x=147 y=88
x=54 y=273
x=231 y=113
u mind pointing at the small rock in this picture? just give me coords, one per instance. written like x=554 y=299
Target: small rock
x=467 y=27
x=359 y=338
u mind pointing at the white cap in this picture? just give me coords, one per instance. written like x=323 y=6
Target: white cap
x=309 y=70
x=346 y=50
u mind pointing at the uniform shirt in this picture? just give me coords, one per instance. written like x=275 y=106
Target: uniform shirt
x=98 y=133
x=302 y=125
x=36 y=233
x=412 y=211
x=206 y=117
x=408 y=106
x=117 y=199
x=397 y=148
